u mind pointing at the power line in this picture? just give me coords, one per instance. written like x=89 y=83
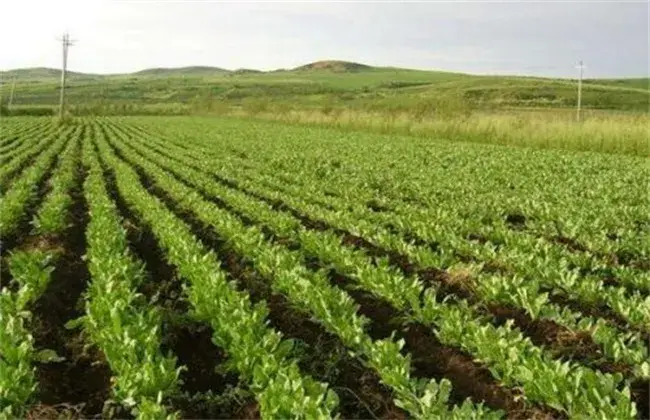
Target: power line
x=66 y=42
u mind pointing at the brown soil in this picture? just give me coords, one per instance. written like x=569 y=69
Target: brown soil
x=641 y=396
x=571 y=243
x=6 y=279
x=82 y=380
x=376 y=206
x=516 y=221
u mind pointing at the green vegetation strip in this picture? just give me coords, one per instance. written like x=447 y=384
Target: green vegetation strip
x=118 y=319
x=31 y=271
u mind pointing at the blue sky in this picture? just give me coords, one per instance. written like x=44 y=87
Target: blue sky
x=507 y=37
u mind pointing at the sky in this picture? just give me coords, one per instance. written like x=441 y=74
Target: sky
x=507 y=37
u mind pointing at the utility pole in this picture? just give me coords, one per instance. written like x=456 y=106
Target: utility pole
x=581 y=67
x=66 y=43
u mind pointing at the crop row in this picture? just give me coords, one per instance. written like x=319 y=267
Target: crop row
x=117 y=320
x=15 y=133
x=31 y=270
x=25 y=189
x=519 y=291
x=430 y=312
x=330 y=306
x=31 y=273
x=256 y=352
x=457 y=220
x=459 y=298
x=597 y=197
x=13 y=163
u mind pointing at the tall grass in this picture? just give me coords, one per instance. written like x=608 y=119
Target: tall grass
x=598 y=131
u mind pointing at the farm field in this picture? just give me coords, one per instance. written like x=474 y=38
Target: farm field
x=198 y=267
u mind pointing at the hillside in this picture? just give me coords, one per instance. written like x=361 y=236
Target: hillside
x=324 y=85
x=630 y=83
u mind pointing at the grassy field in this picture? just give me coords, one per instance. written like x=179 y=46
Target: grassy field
x=205 y=267
x=545 y=129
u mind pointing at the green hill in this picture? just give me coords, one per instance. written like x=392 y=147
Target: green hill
x=41 y=74
x=322 y=85
x=44 y=74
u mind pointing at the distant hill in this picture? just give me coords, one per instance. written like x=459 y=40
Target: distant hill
x=182 y=71
x=335 y=66
x=49 y=74
x=40 y=73
x=247 y=71
x=391 y=76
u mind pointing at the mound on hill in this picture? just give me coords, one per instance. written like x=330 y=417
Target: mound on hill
x=246 y=71
x=334 y=66
x=182 y=71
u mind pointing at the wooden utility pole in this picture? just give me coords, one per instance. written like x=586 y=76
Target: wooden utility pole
x=581 y=67
x=66 y=43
